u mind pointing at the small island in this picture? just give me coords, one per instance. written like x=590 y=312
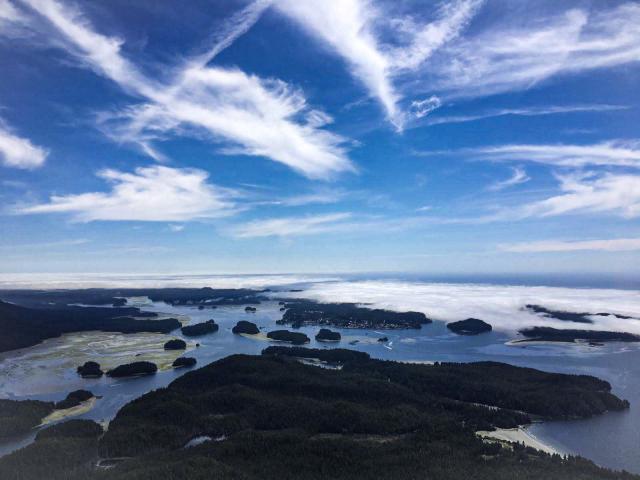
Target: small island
x=250 y=309
x=175 y=344
x=470 y=326
x=184 y=362
x=245 y=327
x=133 y=369
x=90 y=370
x=210 y=326
x=295 y=338
x=74 y=399
x=326 y=335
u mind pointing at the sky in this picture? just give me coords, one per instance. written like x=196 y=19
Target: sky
x=268 y=136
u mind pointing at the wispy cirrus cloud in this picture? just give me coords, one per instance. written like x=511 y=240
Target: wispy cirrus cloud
x=352 y=29
x=507 y=56
x=617 y=194
x=260 y=117
x=521 y=112
x=519 y=175
x=582 y=193
x=19 y=152
x=153 y=194
x=622 y=153
x=547 y=246
x=291 y=226
x=13 y=22
x=397 y=56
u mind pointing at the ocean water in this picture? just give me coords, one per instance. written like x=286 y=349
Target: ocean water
x=611 y=440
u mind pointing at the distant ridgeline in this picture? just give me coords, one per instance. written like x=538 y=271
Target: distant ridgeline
x=272 y=417
x=549 y=334
x=348 y=315
x=117 y=296
x=577 y=317
x=23 y=327
x=35 y=315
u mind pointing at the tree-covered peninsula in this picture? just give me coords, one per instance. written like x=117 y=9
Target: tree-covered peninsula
x=272 y=417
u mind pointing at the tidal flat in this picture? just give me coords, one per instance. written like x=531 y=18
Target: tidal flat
x=53 y=362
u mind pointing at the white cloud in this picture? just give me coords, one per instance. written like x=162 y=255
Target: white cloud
x=608 y=193
x=349 y=28
x=346 y=25
x=19 y=152
x=150 y=194
x=45 y=245
x=290 y=226
x=621 y=153
x=13 y=22
x=258 y=117
x=233 y=28
x=500 y=305
x=524 y=112
x=8 y=12
x=422 y=108
x=509 y=56
x=581 y=194
x=607 y=245
x=319 y=197
x=518 y=176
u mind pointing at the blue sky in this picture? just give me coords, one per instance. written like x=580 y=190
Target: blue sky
x=463 y=136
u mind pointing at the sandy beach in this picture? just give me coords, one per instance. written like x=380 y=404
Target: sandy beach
x=518 y=435
x=61 y=414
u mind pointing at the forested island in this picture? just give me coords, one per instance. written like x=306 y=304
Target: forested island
x=90 y=369
x=133 y=369
x=326 y=335
x=347 y=315
x=175 y=344
x=74 y=399
x=184 y=362
x=210 y=326
x=248 y=328
x=295 y=338
x=470 y=326
x=549 y=334
x=276 y=418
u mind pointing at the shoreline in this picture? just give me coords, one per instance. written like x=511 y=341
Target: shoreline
x=518 y=435
x=62 y=414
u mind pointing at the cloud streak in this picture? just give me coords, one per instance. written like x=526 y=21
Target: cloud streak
x=291 y=226
x=152 y=194
x=523 y=112
x=622 y=153
x=606 y=245
x=518 y=176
